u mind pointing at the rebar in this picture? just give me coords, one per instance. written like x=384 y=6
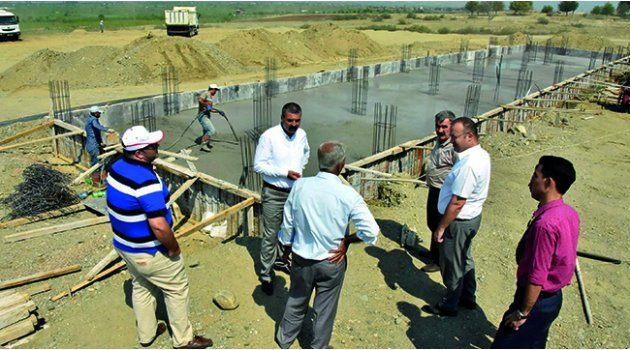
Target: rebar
x=249 y=178
x=549 y=49
x=593 y=60
x=271 y=85
x=564 y=45
x=607 y=55
x=384 y=129
x=405 y=55
x=525 y=60
x=479 y=67
x=497 y=72
x=360 y=92
x=170 y=90
x=471 y=105
x=261 y=102
x=523 y=83
x=434 y=76
x=559 y=72
x=43 y=189
x=352 y=64
x=463 y=48
x=60 y=97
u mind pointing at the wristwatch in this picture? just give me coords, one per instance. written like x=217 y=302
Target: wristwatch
x=520 y=315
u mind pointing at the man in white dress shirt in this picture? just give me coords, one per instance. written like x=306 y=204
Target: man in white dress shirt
x=315 y=231
x=461 y=199
x=281 y=155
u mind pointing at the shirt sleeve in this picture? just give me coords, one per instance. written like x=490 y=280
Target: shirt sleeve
x=543 y=244
x=286 y=230
x=306 y=154
x=98 y=125
x=464 y=183
x=151 y=199
x=364 y=222
x=263 y=160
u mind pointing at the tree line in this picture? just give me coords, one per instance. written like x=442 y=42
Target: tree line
x=524 y=7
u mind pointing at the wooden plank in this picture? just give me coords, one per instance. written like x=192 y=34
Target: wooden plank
x=41 y=288
x=108 y=259
x=218 y=216
x=45 y=231
x=427 y=148
x=72 y=133
x=43 y=216
x=178 y=155
x=393 y=179
x=86 y=283
x=47 y=124
x=82 y=176
x=18 y=330
x=559 y=110
x=39 y=276
x=367 y=171
x=186 y=185
x=111 y=147
x=106 y=154
x=16 y=313
x=13 y=298
x=68 y=126
x=70 y=161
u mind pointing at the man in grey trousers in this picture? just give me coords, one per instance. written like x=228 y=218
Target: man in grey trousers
x=460 y=202
x=281 y=155
x=315 y=232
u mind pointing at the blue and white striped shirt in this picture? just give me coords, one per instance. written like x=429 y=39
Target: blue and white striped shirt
x=136 y=193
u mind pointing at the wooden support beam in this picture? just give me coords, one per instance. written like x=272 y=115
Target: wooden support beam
x=178 y=155
x=551 y=109
x=68 y=126
x=39 y=276
x=86 y=283
x=367 y=171
x=218 y=216
x=111 y=147
x=47 y=124
x=16 y=313
x=72 y=133
x=108 y=259
x=18 y=330
x=41 y=288
x=13 y=298
x=45 y=231
x=86 y=173
x=43 y=216
x=72 y=162
x=425 y=148
x=107 y=154
x=186 y=185
x=393 y=179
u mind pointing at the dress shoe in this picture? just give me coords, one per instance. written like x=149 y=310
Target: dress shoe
x=470 y=305
x=267 y=287
x=282 y=267
x=198 y=342
x=161 y=328
x=431 y=268
x=437 y=310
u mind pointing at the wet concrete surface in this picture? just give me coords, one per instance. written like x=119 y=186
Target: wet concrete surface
x=326 y=110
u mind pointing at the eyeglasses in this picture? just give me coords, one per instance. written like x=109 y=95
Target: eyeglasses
x=153 y=147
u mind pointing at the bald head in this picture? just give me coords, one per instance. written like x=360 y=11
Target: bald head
x=330 y=155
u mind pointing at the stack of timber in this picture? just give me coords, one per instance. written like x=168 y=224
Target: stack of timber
x=17 y=316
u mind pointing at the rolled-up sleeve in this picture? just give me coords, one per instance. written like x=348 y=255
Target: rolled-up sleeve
x=263 y=157
x=364 y=222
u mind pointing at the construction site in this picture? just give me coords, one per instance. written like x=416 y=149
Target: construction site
x=63 y=286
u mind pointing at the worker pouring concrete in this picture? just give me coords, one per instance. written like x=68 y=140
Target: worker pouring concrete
x=206 y=106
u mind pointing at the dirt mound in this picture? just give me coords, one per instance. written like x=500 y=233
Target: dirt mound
x=584 y=41
x=517 y=38
x=333 y=41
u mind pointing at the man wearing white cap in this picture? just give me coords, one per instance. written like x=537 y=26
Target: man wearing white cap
x=93 y=139
x=205 y=108
x=143 y=237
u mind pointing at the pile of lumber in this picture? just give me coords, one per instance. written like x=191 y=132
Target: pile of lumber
x=17 y=317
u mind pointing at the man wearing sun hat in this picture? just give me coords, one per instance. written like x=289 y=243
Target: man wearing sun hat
x=93 y=139
x=206 y=106
x=143 y=237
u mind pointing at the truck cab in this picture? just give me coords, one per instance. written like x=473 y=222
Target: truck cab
x=9 y=25
x=182 y=20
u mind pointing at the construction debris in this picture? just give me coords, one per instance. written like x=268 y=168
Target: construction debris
x=17 y=316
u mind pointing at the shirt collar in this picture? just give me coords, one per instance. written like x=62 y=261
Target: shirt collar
x=328 y=176
x=287 y=135
x=137 y=162
x=553 y=204
x=445 y=143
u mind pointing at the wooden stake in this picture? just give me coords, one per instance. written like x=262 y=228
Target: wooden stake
x=179 y=155
x=16 y=313
x=82 y=176
x=13 y=298
x=87 y=283
x=42 y=288
x=72 y=133
x=18 y=330
x=186 y=185
x=111 y=147
x=585 y=304
x=45 y=231
x=108 y=259
x=218 y=216
x=39 y=276
x=47 y=124
x=43 y=216
x=107 y=154
x=367 y=171
x=393 y=179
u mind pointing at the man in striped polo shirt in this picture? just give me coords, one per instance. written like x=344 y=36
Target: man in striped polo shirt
x=143 y=237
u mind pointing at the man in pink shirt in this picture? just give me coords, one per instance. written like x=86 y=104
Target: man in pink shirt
x=545 y=255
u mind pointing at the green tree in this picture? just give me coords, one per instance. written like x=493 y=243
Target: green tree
x=568 y=6
x=472 y=7
x=548 y=9
x=485 y=7
x=498 y=6
x=521 y=7
x=597 y=10
x=608 y=9
x=623 y=8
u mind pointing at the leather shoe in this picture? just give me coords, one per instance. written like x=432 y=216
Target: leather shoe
x=431 y=268
x=267 y=287
x=198 y=342
x=161 y=328
x=437 y=310
x=470 y=305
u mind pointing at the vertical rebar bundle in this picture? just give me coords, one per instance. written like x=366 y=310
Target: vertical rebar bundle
x=559 y=72
x=261 y=108
x=593 y=60
x=525 y=60
x=548 y=52
x=60 y=98
x=170 y=90
x=607 y=55
x=143 y=113
x=479 y=67
x=405 y=55
x=523 y=83
x=497 y=87
x=271 y=84
x=352 y=64
x=463 y=48
x=471 y=105
x=249 y=178
x=384 y=131
x=360 y=92
x=434 y=76
x=564 y=45
x=533 y=52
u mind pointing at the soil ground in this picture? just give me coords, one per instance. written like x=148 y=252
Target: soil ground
x=384 y=287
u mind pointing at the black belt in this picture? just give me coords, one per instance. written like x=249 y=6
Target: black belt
x=545 y=295
x=268 y=185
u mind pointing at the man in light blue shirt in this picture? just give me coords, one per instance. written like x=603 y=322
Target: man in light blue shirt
x=315 y=231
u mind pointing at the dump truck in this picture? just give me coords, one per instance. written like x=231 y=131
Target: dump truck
x=182 y=21
x=9 y=25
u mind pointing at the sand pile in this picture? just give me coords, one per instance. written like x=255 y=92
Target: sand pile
x=584 y=41
x=332 y=41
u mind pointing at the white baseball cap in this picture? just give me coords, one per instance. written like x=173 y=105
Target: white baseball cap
x=138 y=137
x=213 y=86
x=96 y=109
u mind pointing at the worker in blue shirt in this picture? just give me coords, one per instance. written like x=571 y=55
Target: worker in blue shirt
x=93 y=139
